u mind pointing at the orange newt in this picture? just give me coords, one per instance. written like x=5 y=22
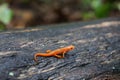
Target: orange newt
x=58 y=53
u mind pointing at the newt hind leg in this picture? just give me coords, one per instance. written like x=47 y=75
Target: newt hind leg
x=35 y=58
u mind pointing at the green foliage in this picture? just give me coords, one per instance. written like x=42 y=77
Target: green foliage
x=5 y=14
x=118 y=5
x=96 y=3
x=2 y=27
x=101 y=9
x=88 y=15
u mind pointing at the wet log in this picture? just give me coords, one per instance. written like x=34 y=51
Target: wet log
x=96 y=55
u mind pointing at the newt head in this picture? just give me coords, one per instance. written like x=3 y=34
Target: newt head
x=71 y=47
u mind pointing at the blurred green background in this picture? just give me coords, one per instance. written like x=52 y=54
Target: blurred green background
x=20 y=14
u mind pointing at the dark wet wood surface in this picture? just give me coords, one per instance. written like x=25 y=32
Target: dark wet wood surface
x=96 y=55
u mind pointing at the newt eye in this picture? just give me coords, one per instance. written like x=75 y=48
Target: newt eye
x=71 y=48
